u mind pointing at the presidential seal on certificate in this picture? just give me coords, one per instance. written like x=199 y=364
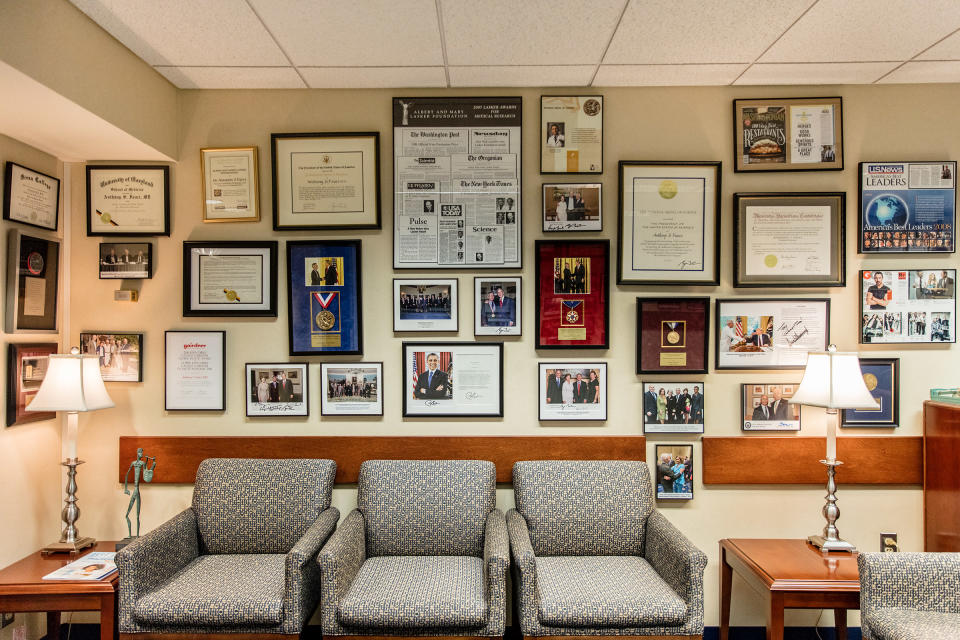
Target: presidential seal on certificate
x=571 y=134
x=231 y=184
x=230 y=278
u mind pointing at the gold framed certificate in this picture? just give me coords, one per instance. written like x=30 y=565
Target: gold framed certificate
x=231 y=184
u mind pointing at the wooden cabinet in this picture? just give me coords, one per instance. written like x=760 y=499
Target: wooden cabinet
x=941 y=476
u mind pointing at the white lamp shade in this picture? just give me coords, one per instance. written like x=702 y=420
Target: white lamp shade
x=72 y=383
x=834 y=380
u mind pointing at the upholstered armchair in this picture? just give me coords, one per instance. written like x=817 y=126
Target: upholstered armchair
x=909 y=596
x=425 y=553
x=241 y=559
x=593 y=557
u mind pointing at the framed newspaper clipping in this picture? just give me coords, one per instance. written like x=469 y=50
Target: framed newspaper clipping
x=571 y=134
x=788 y=134
x=908 y=306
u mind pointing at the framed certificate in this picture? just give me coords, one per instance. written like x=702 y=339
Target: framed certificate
x=453 y=379
x=497 y=306
x=128 y=200
x=573 y=391
x=277 y=389
x=789 y=240
x=421 y=304
x=669 y=223
x=26 y=369
x=323 y=297
x=33 y=283
x=673 y=407
x=230 y=278
x=120 y=354
x=326 y=180
x=30 y=197
x=573 y=294
x=571 y=134
x=770 y=333
x=900 y=306
x=788 y=134
x=351 y=389
x=573 y=207
x=231 y=184
x=194 y=370
x=882 y=377
x=767 y=407
x=673 y=335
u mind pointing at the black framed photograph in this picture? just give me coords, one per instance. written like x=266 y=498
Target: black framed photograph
x=571 y=134
x=30 y=197
x=277 y=389
x=767 y=407
x=426 y=304
x=573 y=294
x=231 y=184
x=770 y=333
x=673 y=335
x=788 y=134
x=453 y=379
x=789 y=239
x=673 y=407
x=128 y=200
x=573 y=391
x=235 y=278
x=674 y=465
x=126 y=260
x=26 y=368
x=33 y=283
x=351 y=389
x=882 y=377
x=668 y=230
x=195 y=364
x=900 y=306
x=328 y=180
x=120 y=354
x=497 y=306
x=572 y=206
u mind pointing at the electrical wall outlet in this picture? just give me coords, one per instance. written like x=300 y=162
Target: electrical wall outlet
x=888 y=542
x=6 y=619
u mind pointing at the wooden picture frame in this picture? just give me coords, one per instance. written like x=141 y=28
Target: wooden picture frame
x=231 y=184
x=26 y=368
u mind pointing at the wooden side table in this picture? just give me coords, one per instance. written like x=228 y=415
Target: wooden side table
x=23 y=590
x=790 y=574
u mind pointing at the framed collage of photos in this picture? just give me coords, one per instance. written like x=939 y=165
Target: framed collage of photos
x=788 y=134
x=573 y=391
x=673 y=407
x=882 y=378
x=572 y=206
x=908 y=306
x=230 y=278
x=120 y=354
x=770 y=333
x=26 y=368
x=497 y=306
x=277 y=389
x=767 y=407
x=426 y=304
x=231 y=184
x=128 y=200
x=33 y=283
x=351 y=389
x=453 y=379
x=673 y=335
x=573 y=293
x=674 y=464
x=571 y=134
x=30 y=197
x=126 y=260
x=195 y=364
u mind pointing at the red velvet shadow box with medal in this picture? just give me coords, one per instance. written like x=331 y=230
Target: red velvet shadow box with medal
x=573 y=293
x=672 y=335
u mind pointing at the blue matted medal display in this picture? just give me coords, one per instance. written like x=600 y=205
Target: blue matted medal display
x=324 y=299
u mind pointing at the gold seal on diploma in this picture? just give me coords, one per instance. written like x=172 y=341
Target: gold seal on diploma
x=673 y=337
x=870 y=380
x=326 y=320
x=770 y=260
x=668 y=189
x=231 y=295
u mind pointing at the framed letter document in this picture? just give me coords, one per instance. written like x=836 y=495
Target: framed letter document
x=453 y=379
x=195 y=364
x=230 y=278
x=231 y=185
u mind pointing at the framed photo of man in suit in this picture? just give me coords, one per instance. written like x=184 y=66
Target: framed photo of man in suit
x=453 y=379
x=573 y=390
x=673 y=407
x=277 y=389
x=497 y=307
x=767 y=407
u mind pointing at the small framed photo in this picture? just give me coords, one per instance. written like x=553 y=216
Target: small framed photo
x=26 y=368
x=770 y=333
x=908 y=306
x=767 y=407
x=673 y=407
x=120 y=354
x=230 y=278
x=453 y=379
x=277 y=389
x=573 y=390
x=882 y=377
x=573 y=294
x=572 y=207
x=33 y=283
x=425 y=304
x=128 y=200
x=351 y=389
x=231 y=184
x=30 y=197
x=673 y=335
x=674 y=465
x=788 y=134
x=195 y=364
x=126 y=260
x=497 y=306
x=571 y=134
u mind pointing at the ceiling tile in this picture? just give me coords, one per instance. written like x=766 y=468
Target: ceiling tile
x=232 y=77
x=816 y=73
x=925 y=71
x=701 y=31
x=865 y=30
x=531 y=32
x=949 y=49
x=525 y=76
x=322 y=33
x=679 y=75
x=187 y=32
x=373 y=77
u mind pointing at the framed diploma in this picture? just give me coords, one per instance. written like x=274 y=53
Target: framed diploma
x=673 y=335
x=498 y=306
x=767 y=407
x=120 y=354
x=33 y=282
x=573 y=391
x=277 y=389
x=673 y=407
x=882 y=377
x=770 y=333
x=789 y=134
x=571 y=134
x=230 y=278
x=572 y=207
x=453 y=379
x=30 y=197
x=899 y=306
x=351 y=389
x=231 y=184
x=426 y=304
x=326 y=180
x=128 y=200
x=907 y=207
x=789 y=240
x=323 y=298
x=669 y=224
x=573 y=294
x=26 y=368
x=674 y=465
x=194 y=370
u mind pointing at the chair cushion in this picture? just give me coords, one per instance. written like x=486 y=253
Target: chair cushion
x=605 y=591
x=217 y=591
x=416 y=592
x=909 y=624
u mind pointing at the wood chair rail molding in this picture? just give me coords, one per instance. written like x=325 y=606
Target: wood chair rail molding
x=180 y=456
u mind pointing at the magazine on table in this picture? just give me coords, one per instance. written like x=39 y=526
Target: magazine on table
x=93 y=566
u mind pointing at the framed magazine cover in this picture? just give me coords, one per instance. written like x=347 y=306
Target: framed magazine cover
x=788 y=134
x=573 y=293
x=908 y=306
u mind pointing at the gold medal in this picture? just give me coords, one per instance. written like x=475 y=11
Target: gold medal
x=673 y=337
x=326 y=320
x=870 y=380
x=572 y=316
x=231 y=295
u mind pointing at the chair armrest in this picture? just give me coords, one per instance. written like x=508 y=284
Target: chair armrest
x=520 y=547
x=525 y=572
x=340 y=559
x=307 y=547
x=155 y=557
x=922 y=581
x=496 y=560
x=677 y=561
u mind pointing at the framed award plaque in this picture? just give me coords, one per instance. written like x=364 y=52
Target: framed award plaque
x=882 y=377
x=672 y=335
x=33 y=283
x=573 y=288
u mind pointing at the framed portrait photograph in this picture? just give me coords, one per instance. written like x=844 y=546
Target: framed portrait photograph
x=120 y=354
x=26 y=368
x=673 y=335
x=571 y=134
x=767 y=407
x=789 y=240
x=326 y=180
x=770 y=333
x=572 y=207
x=673 y=407
x=882 y=377
x=908 y=306
x=231 y=184
x=126 y=260
x=234 y=278
x=128 y=200
x=907 y=207
x=668 y=230
x=573 y=294
x=453 y=379
x=277 y=389
x=324 y=310
x=497 y=306
x=421 y=304
x=30 y=197
x=195 y=364
x=573 y=390
x=674 y=466
x=788 y=134
x=33 y=283
x=351 y=389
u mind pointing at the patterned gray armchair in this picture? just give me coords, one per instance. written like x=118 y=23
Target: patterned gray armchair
x=595 y=558
x=909 y=596
x=425 y=553
x=241 y=559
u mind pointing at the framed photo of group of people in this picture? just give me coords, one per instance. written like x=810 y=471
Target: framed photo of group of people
x=425 y=304
x=673 y=407
x=278 y=389
x=573 y=390
x=674 y=469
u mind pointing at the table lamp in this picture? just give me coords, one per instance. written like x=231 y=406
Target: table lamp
x=72 y=383
x=833 y=380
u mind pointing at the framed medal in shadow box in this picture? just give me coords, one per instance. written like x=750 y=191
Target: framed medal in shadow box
x=573 y=294
x=672 y=335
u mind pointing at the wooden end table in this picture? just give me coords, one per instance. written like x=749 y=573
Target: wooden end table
x=23 y=590
x=791 y=574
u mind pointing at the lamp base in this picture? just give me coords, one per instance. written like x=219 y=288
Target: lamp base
x=831 y=545
x=68 y=547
